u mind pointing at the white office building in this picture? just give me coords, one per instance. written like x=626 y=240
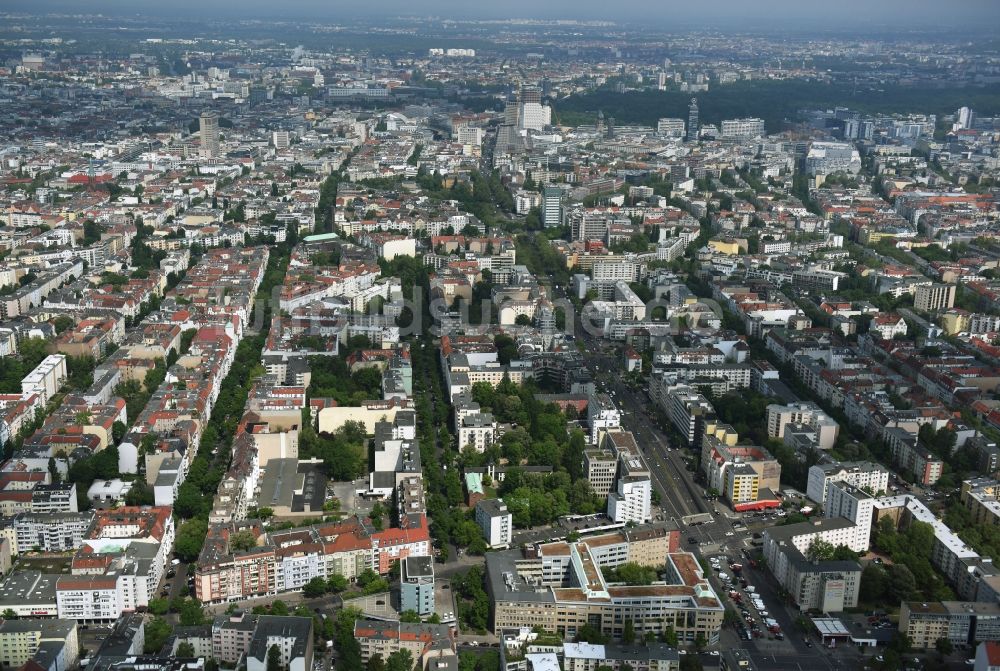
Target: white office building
x=470 y=135
x=535 y=116
x=551 y=206
x=281 y=139
x=825 y=158
x=742 y=128
x=861 y=474
x=779 y=417
x=632 y=500
x=670 y=127
x=849 y=502
x=496 y=522
x=46 y=378
x=602 y=415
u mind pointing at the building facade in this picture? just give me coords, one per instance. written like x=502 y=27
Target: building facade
x=496 y=522
x=559 y=587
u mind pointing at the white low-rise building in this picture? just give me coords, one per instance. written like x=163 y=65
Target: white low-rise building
x=51 y=532
x=47 y=377
x=477 y=430
x=813 y=583
x=865 y=475
x=861 y=474
x=779 y=417
x=100 y=598
x=631 y=501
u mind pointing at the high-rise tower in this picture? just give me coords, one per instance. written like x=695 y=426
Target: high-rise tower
x=692 y=129
x=209 y=128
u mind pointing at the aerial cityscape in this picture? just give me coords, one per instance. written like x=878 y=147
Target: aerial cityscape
x=431 y=336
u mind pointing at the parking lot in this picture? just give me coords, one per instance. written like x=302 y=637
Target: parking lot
x=796 y=650
x=757 y=621
x=176 y=581
x=346 y=493
x=876 y=624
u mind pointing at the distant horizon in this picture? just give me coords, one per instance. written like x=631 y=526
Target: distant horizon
x=860 y=16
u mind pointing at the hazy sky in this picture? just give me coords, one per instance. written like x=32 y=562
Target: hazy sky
x=980 y=14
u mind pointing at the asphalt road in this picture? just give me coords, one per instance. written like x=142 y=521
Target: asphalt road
x=174 y=587
x=672 y=480
x=680 y=495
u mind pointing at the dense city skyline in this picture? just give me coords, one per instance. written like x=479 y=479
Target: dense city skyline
x=524 y=336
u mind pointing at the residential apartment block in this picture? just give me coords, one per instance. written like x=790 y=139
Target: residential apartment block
x=286 y=560
x=780 y=417
x=934 y=297
x=910 y=456
x=962 y=623
x=421 y=640
x=687 y=408
x=51 y=532
x=617 y=657
x=746 y=475
x=50 y=645
x=982 y=498
x=496 y=522
x=862 y=474
x=240 y=638
x=950 y=555
x=559 y=587
x=829 y=586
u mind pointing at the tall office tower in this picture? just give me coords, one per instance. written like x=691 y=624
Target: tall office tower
x=512 y=113
x=533 y=115
x=509 y=140
x=965 y=117
x=551 y=206
x=867 y=131
x=852 y=127
x=258 y=94
x=209 y=135
x=531 y=94
x=281 y=139
x=610 y=133
x=692 y=129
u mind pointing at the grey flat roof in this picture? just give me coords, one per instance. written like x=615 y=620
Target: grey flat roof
x=418 y=566
x=493 y=507
x=277 y=486
x=48 y=627
x=25 y=587
x=505 y=583
x=785 y=532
